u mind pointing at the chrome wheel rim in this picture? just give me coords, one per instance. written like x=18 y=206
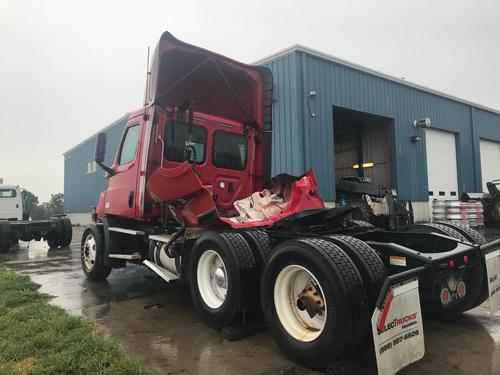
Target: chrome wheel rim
x=211 y=276
x=291 y=282
x=89 y=250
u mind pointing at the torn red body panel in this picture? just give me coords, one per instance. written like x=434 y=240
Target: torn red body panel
x=192 y=201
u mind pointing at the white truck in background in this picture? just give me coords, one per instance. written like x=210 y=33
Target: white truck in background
x=11 y=203
x=15 y=224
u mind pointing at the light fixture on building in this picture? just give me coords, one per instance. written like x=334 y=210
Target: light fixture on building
x=418 y=124
x=364 y=165
x=311 y=95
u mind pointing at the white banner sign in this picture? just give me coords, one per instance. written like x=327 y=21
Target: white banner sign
x=397 y=329
x=493 y=272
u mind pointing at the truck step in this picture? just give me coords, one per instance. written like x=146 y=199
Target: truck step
x=135 y=256
x=160 y=237
x=162 y=272
x=132 y=232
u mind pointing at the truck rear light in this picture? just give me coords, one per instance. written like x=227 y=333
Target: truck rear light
x=445 y=296
x=451 y=263
x=466 y=259
x=461 y=289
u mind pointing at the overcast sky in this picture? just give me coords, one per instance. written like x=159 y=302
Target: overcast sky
x=69 y=68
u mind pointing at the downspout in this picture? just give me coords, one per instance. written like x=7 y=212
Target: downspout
x=303 y=99
x=475 y=151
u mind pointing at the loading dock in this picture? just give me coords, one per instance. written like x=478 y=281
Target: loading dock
x=363 y=146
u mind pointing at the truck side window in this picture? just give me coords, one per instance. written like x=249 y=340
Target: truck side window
x=7 y=193
x=229 y=150
x=181 y=147
x=129 y=146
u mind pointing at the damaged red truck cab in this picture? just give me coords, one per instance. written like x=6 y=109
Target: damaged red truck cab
x=198 y=161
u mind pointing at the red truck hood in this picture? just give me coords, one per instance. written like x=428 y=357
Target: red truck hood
x=178 y=68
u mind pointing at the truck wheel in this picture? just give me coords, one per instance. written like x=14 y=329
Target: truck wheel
x=314 y=302
x=368 y=262
x=439 y=228
x=259 y=244
x=472 y=235
x=224 y=281
x=67 y=232
x=475 y=279
x=92 y=254
x=360 y=224
x=4 y=236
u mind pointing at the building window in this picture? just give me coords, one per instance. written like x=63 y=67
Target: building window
x=229 y=150
x=91 y=166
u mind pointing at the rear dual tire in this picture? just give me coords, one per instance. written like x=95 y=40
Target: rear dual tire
x=476 y=280
x=335 y=331
x=224 y=281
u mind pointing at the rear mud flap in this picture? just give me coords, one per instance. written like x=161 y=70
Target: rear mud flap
x=491 y=252
x=397 y=326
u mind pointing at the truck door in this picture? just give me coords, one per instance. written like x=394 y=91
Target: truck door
x=121 y=196
x=9 y=204
x=230 y=160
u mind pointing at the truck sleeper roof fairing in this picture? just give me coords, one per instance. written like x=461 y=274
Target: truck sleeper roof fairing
x=216 y=84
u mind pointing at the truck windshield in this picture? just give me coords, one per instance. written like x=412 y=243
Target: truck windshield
x=182 y=146
x=7 y=193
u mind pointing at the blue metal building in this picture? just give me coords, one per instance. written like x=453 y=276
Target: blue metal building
x=334 y=117
x=83 y=179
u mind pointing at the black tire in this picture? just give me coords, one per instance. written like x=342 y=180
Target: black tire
x=241 y=301
x=368 y=262
x=476 y=238
x=67 y=232
x=348 y=315
x=472 y=235
x=55 y=237
x=439 y=228
x=360 y=224
x=260 y=245
x=99 y=270
x=4 y=236
x=474 y=279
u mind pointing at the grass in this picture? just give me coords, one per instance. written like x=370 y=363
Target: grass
x=38 y=338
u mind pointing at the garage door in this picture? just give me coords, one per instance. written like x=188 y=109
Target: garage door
x=441 y=165
x=490 y=161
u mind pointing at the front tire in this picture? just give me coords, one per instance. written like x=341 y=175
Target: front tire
x=223 y=279
x=299 y=274
x=92 y=254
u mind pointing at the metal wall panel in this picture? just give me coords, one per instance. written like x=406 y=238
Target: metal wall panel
x=81 y=189
x=343 y=86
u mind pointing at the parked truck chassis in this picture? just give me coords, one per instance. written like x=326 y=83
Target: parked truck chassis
x=313 y=273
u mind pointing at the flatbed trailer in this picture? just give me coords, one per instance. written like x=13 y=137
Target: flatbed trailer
x=191 y=197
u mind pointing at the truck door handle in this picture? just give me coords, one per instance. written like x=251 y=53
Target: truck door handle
x=17 y=205
x=130 y=199
x=230 y=187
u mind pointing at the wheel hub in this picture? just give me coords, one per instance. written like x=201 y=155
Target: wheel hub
x=311 y=300
x=300 y=303
x=220 y=277
x=212 y=279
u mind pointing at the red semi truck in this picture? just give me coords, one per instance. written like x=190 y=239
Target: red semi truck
x=190 y=196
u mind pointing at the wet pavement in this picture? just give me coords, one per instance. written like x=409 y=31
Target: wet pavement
x=157 y=322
